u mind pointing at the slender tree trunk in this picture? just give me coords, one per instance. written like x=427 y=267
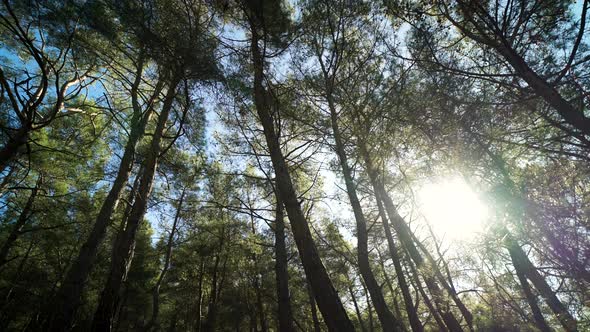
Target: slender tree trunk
x=435 y=313
x=532 y=301
x=389 y=283
x=543 y=88
x=62 y=309
x=260 y=304
x=405 y=235
x=212 y=306
x=124 y=246
x=401 y=279
x=523 y=264
x=23 y=217
x=357 y=309
x=281 y=271
x=388 y=321
x=574 y=117
x=153 y=322
x=314 y=313
x=5 y=314
x=370 y=311
x=200 y=295
x=520 y=260
x=326 y=296
x=11 y=151
x=446 y=284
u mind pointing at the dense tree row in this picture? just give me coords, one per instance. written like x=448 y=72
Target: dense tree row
x=193 y=165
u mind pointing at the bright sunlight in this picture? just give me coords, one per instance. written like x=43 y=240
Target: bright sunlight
x=452 y=208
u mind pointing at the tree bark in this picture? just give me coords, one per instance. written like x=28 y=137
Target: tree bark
x=22 y=220
x=281 y=271
x=541 y=87
x=357 y=309
x=61 y=311
x=212 y=305
x=326 y=296
x=523 y=264
x=388 y=321
x=200 y=295
x=405 y=235
x=11 y=150
x=532 y=301
x=312 y=306
x=124 y=246
x=418 y=285
x=574 y=117
x=153 y=323
x=415 y=323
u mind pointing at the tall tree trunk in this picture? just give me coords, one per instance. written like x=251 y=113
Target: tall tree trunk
x=124 y=246
x=62 y=309
x=542 y=88
x=405 y=235
x=386 y=317
x=153 y=322
x=326 y=296
x=445 y=282
x=200 y=295
x=281 y=271
x=210 y=320
x=357 y=309
x=523 y=264
x=418 y=285
x=401 y=279
x=23 y=217
x=532 y=301
x=212 y=305
x=370 y=311
x=6 y=315
x=260 y=304
x=574 y=117
x=314 y=314
x=11 y=151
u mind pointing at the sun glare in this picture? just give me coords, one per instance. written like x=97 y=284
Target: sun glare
x=452 y=208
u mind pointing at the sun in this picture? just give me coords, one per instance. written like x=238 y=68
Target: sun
x=452 y=208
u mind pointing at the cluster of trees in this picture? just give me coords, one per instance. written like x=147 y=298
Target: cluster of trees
x=165 y=164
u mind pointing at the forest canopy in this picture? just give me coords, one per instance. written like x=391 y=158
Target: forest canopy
x=303 y=165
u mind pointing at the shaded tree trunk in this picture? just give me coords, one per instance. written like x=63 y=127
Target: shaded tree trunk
x=435 y=313
x=405 y=236
x=532 y=301
x=370 y=311
x=212 y=306
x=260 y=304
x=124 y=246
x=541 y=86
x=388 y=321
x=326 y=296
x=357 y=309
x=17 y=228
x=574 y=117
x=281 y=271
x=61 y=311
x=415 y=323
x=525 y=267
x=312 y=306
x=200 y=295
x=153 y=323
x=522 y=264
x=11 y=150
